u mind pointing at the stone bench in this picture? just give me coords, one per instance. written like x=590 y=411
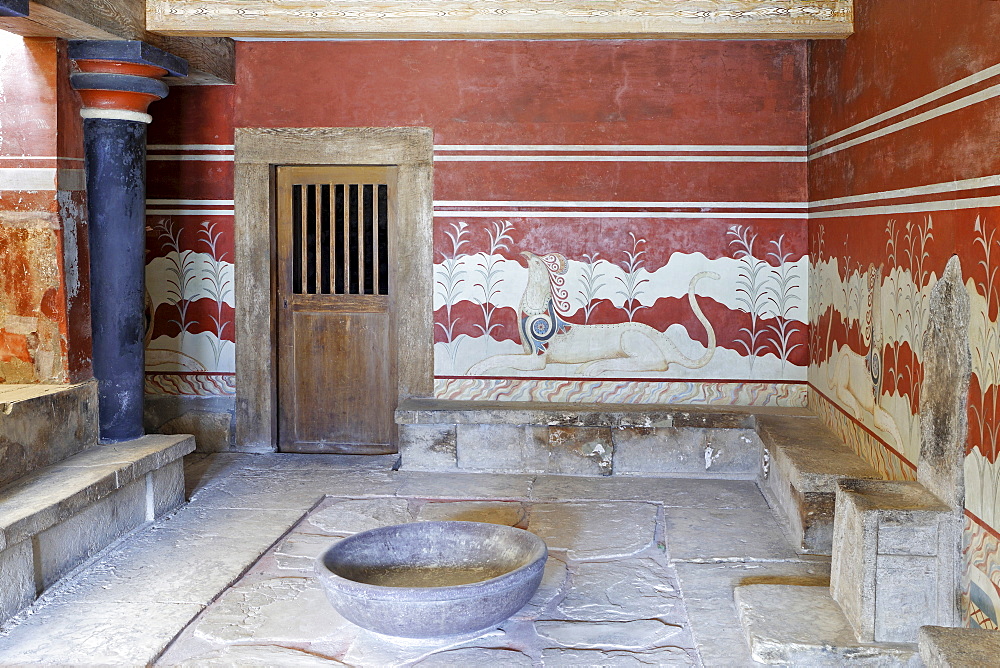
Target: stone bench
x=57 y=516
x=805 y=461
x=944 y=647
x=578 y=439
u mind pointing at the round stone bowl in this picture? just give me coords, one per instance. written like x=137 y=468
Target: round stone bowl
x=432 y=579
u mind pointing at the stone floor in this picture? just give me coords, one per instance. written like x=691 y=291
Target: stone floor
x=641 y=570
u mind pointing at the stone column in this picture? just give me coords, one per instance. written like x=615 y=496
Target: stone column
x=117 y=80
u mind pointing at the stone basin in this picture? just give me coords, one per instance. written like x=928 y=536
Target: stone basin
x=432 y=579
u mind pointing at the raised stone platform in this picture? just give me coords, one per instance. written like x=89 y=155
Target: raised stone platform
x=44 y=424
x=942 y=647
x=58 y=516
x=806 y=461
x=582 y=439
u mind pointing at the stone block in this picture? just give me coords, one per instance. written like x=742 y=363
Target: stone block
x=498 y=447
x=852 y=569
x=900 y=607
x=165 y=488
x=62 y=547
x=578 y=451
x=212 y=431
x=794 y=625
x=428 y=447
x=686 y=450
x=17 y=579
x=42 y=426
x=957 y=647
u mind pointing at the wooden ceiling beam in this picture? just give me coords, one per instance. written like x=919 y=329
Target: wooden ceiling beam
x=212 y=58
x=725 y=19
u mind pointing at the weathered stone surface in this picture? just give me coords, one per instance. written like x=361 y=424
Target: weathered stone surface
x=510 y=513
x=299 y=550
x=942 y=647
x=622 y=590
x=128 y=634
x=276 y=610
x=944 y=391
x=594 y=530
x=428 y=447
x=663 y=656
x=256 y=656
x=579 y=451
x=354 y=516
x=372 y=649
x=17 y=579
x=641 y=634
x=61 y=547
x=553 y=580
x=906 y=596
x=424 y=485
x=647 y=451
x=737 y=534
x=493 y=447
x=43 y=425
x=166 y=486
x=212 y=431
x=803 y=626
x=269 y=492
x=476 y=656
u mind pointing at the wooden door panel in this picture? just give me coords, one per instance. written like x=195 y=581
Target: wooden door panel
x=337 y=371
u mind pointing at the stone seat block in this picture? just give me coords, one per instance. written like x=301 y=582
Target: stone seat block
x=944 y=647
x=56 y=517
x=806 y=460
x=893 y=567
x=42 y=425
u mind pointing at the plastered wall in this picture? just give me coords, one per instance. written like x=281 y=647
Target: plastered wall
x=903 y=174
x=44 y=267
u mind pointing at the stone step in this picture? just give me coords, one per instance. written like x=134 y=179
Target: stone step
x=794 y=625
x=896 y=552
x=581 y=439
x=58 y=516
x=944 y=647
x=806 y=460
x=42 y=425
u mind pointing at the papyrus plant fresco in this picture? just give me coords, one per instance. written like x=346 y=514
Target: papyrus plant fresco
x=494 y=280
x=190 y=297
x=982 y=477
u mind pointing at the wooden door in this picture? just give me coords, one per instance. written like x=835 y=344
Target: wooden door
x=336 y=366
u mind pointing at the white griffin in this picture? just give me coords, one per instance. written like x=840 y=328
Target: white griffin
x=618 y=347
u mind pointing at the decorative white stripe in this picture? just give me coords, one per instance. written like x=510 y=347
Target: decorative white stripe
x=747 y=148
x=969 y=100
x=190 y=147
x=27 y=178
x=690 y=205
x=620 y=158
x=116 y=115
x=930 y=189
x=971 y=80
x=189 y=202
x=613 y=214
x=940 y=205
x=207 y=157
x=190 y=212
x=37 y=157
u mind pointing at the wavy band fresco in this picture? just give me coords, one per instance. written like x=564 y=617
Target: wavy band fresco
x=528 y=298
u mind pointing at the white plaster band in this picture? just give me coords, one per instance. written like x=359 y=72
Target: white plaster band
x=116 y=114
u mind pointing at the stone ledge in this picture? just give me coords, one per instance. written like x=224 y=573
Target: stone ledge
x=807 y=460
x=437 y=411
x=52 y=494
x=943 y=647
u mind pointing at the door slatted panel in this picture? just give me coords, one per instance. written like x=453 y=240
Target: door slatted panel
x=340 y=239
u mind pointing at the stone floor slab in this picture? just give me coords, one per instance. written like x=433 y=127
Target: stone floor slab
x=508 y=513
x=713 y=534
x=592 y=658
x=622 y=590
x=462 y=486
x=595 y=530
x=255 y=656
x=636 y=635
x=553 y=582
x=355 y=515
x=476 y=656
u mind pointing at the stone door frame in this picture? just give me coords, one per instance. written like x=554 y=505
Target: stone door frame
x=258 y=152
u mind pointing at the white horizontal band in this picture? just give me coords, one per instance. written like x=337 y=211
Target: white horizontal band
x=722 y=215
x=584 y=205
x=190 y=147
x=192 y=157
x=620 y=158
x=190 y=212
x=116 y=115
x=189 y=202
x=688 y=148
x=28 y=178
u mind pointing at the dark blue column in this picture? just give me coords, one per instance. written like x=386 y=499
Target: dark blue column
x=116 y=207
x=117 y=82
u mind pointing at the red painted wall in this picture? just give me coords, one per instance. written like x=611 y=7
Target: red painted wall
x=44 y=266
x=927 y=164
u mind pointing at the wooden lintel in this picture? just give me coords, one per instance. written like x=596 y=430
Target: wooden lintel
x=212 y=59
x=535 y=19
